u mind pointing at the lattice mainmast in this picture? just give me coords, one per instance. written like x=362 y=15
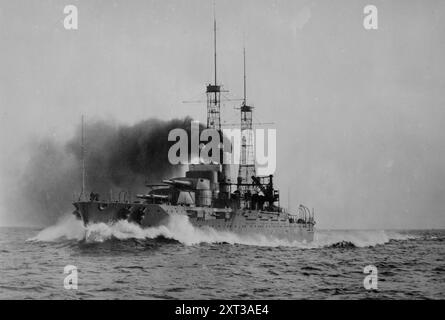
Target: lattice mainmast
x=247 y=161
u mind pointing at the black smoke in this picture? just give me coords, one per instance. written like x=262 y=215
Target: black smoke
x=118 y=158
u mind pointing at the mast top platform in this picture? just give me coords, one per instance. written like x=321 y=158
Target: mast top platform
x=213 y=88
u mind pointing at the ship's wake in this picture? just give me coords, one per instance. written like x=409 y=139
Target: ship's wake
x=181 y=230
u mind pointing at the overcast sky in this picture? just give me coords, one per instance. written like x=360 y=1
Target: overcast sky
x=360 y=115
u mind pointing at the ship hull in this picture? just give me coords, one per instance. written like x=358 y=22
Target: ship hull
x=241 y=222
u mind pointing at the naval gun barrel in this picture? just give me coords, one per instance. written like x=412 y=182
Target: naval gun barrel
x=151 y=196
x=178 y=183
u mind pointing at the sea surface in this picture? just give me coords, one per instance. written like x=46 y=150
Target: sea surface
x=122 y=261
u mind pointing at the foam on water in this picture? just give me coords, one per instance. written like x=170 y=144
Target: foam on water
x=180 y=229
x=68 y=227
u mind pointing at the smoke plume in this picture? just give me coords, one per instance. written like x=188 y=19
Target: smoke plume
x=118 y=158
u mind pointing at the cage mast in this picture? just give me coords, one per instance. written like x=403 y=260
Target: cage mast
x=213 y=92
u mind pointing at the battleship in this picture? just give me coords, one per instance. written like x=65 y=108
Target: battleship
x=205 y=195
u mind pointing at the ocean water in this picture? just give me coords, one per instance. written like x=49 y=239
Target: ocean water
x=178 y=261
